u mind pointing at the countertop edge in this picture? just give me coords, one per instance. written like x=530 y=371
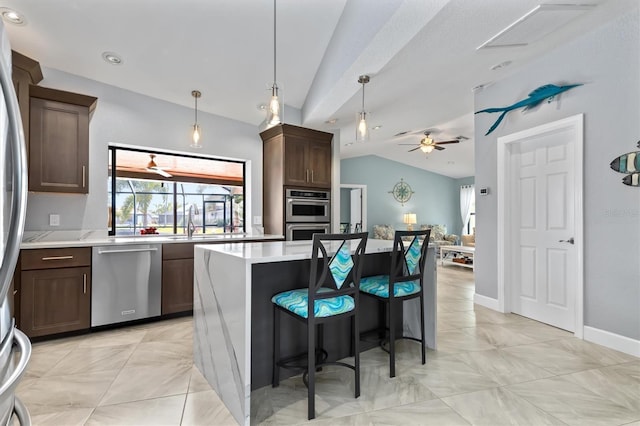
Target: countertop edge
x=115 y=241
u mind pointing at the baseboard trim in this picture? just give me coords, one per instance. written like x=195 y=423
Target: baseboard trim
x=485 y=301
x=612 y=340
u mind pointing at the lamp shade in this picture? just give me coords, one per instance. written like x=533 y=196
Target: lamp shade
x=410 y=218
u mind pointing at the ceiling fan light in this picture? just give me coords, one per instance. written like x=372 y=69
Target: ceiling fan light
x=427 y=149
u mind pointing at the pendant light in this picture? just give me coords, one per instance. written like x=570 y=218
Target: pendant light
x=362 y=129
x=274 y=107
x=196 y=134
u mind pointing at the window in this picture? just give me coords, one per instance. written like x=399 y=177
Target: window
x=152 y=192
x=471 y=225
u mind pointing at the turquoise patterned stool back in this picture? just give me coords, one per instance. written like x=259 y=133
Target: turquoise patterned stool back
x=409 y=254
x=336 y=266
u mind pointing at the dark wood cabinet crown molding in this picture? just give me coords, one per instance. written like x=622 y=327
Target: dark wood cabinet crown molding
x=62 y=96
x=30 y=66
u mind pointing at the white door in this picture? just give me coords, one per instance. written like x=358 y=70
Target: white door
x=356 y=210
x=543 y=218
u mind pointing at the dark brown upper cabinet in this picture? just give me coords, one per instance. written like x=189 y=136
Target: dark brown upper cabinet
x=59 y=140
x=25 y=72
x=296 y=156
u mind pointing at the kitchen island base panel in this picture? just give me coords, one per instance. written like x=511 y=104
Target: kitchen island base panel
x=221 y=329
x=233 y=314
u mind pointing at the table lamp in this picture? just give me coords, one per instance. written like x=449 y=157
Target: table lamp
x=410 y=220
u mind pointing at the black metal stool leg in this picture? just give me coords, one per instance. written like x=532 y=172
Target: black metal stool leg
x=392 y=337
x=422 y=333
x=311 y=378
x=275 y=378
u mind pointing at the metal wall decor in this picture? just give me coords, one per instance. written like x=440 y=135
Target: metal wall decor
x=402 y=192
x=547 y=92
x=628 y=163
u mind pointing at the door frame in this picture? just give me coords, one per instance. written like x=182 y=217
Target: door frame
x=364 y=201
x=505 y=189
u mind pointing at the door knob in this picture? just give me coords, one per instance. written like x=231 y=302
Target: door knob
x=570 y=241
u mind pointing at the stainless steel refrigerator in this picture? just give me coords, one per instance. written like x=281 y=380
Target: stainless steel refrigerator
x=15 y=347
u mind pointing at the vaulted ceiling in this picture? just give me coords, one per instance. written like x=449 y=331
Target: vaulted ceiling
x=421 y=56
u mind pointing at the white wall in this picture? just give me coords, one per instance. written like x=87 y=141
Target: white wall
x=607 y=60
x=126 y=117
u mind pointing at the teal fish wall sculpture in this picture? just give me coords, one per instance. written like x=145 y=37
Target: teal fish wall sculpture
x=628 y=163
x=547 y=92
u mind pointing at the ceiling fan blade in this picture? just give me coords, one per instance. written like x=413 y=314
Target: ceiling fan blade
x=439 y=148
x=446 y=142
x=163 y=173
x=412 y=144
x=411 y=150
x=159 y=171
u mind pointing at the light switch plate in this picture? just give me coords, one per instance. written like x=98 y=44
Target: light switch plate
x=54 y=220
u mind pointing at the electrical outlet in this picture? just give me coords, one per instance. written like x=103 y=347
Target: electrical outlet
x=257 y=220
x=54 y=220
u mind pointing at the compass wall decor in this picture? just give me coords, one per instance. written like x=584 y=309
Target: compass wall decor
x=401 y=192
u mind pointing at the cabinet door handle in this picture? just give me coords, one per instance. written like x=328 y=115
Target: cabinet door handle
x=311 y=175
x=306 y=175
x=58 y=258
x=84 y=283
x=84 y=176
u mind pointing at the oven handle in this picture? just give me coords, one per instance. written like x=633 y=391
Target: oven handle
x=305 y=201
x=308 y=225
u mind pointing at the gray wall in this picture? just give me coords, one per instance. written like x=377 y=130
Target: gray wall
x=436 y=199
x=607 y=60
x=125 y=117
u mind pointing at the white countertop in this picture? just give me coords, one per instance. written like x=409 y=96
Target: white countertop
x=91 y=239
x=279 y=251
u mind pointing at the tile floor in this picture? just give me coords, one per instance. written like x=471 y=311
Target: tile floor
x=490 y=369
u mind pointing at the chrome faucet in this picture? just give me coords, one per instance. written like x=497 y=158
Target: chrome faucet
x=191 y=227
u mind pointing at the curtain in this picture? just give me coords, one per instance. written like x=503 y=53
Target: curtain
x=467 y=194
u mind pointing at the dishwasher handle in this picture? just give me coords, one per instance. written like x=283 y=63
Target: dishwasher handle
x=127 y=250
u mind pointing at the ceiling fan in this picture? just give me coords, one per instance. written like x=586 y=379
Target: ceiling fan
x=153 y=167
x=427 y=144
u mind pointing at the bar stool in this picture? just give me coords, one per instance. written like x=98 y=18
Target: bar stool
x=406 y=277
x=331 y=295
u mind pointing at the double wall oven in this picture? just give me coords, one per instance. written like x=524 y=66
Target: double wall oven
x=307 y=212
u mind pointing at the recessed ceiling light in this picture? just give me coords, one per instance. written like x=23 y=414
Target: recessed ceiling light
x=11 y=16
x=500 y=65
x=348 y=144
x=331 y=121
x=261 y=107
x=451 y=162
x=112 y=58
x=377 y=127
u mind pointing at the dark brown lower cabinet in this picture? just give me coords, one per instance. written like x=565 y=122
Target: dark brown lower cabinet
x=55 y=300
x=177 y=286
x=177 y=278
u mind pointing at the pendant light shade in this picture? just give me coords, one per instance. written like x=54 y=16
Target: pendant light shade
x=274 y=107
x=196 y=134
x=362 y=128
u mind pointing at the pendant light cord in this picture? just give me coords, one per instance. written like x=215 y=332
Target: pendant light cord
x=274 y=42
x=363 y=96
x=196 y=109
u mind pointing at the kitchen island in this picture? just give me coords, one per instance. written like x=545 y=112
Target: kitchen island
x=233 y=321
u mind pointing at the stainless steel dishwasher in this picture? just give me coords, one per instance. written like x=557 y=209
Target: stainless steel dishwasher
x=126 y=283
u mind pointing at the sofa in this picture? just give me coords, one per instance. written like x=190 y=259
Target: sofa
x=438 y=237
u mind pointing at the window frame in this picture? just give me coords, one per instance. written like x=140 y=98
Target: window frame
x=113 y=178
